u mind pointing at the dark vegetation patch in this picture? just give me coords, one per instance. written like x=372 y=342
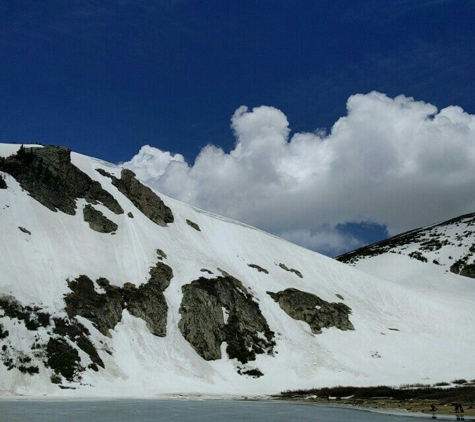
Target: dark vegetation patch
x=60 y=329
x=462 y=267
x=258 y=268
x=292 y=270
x=104 y=310
x=32 y=316
x=3 y=333
x=161 y=255
x=63 y=359
x=98 y=221
x=316 y=312
x=78 y=334
x=254 y=373
x=339 y=296
x=203 y=325
x=442 y=395
x=150 y=204
x=193 y=225
x=130 y=215
x=24 y=230
x=393 y=329
x=48 y=175
x=417 y=255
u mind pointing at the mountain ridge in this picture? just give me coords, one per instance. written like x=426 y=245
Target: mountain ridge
x=78 y=303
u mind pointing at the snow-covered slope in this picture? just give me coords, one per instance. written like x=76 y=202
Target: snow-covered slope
x=437 y=258
x=343 y=327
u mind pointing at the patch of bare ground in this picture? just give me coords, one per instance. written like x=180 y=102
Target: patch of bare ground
x=428 y=399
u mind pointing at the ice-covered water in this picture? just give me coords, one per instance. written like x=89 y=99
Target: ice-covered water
x=183 y=411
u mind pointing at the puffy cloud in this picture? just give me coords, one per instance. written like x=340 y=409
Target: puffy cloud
x=391 y=161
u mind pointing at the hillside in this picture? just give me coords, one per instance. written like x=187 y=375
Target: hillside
x=108 y=288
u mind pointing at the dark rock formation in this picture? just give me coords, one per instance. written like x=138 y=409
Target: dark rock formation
x=258 y=268
x=98 y=221
x=24 y=230
x=292 y=270
x=3 y=184
x=148 y=301
x=143 y=198
x=193 y=225
x=48 y=175
x=316 y=312
x=104 y=310
x=205 y=327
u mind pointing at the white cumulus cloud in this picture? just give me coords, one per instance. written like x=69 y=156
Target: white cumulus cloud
x=390 y=161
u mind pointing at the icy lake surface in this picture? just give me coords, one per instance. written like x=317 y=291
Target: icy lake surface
x=183 y=411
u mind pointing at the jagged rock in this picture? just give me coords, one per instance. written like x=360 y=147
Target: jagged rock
x=204 y=325
x=148 y=301
x=316 y=312
x=48 y=175
x=104 y=310
x=98 y=221
x=143 y=198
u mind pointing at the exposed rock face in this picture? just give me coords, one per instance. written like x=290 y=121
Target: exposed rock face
x=316 y=312
x=3 y=184
x=142 y=197
x=148 y=301
x=104 y=310
x=49 y=177
x=221 y=309
x=98 y=221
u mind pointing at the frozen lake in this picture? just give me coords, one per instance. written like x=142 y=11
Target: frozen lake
x=183 y=411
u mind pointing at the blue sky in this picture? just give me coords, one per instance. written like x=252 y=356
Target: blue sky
x=107 y=77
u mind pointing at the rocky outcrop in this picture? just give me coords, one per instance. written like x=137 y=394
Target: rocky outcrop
x=316 y=312
x=193 y=225
x=141 y=196
x=3 y=184
x=98 y=221
x=220 y=310
x=104 y=310
x=148 y=301
x=291 y=270
x=48 y=175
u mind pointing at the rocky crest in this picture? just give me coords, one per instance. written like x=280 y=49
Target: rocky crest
x=316 y=312
x=48 y=175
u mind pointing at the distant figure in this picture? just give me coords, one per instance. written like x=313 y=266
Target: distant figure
x=457 y=408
